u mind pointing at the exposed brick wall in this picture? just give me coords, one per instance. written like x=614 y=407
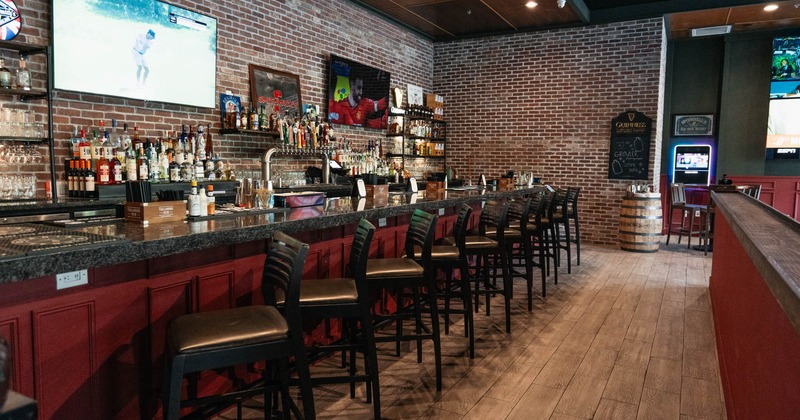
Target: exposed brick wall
x=296 y=36
x=544 y=101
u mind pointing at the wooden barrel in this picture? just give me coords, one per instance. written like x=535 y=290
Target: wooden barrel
x=640 y=223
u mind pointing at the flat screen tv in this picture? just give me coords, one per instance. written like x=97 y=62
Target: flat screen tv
x=140 y=49
x=357 y=94
x=783 y=126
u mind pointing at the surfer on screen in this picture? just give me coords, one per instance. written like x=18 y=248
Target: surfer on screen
x=141 y=44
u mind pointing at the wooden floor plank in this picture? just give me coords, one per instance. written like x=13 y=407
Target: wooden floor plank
x=624 y=336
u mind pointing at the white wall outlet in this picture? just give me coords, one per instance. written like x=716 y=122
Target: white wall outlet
x=72 y=279
x=441 y=212
x=382 y=222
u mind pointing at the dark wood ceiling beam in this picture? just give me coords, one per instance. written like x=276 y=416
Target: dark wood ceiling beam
x=658 y=9
x=580 y=9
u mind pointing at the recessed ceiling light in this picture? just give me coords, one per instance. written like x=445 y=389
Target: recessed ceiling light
x=770 y=7
x=531 y=4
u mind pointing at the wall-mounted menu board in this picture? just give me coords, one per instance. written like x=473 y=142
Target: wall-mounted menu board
x=629 y=151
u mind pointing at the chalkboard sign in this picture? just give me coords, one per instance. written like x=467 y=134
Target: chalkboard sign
x=629 y=152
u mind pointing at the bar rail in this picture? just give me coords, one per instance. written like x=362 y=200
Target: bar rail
x=772 y=241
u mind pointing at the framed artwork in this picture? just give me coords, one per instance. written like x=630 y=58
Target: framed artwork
x=693 y=125
x=277 y=91
x=414 y=95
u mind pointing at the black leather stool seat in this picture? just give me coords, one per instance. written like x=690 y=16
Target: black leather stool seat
x=473 y=242
x=322 y=291
x=393 y=267
x=235 y=327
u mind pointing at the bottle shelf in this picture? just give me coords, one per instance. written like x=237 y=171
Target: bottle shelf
x=398 y=155
x=25 y=94
x=224 y=131
x=436 y=139
x=23 y=139
x=22 y=47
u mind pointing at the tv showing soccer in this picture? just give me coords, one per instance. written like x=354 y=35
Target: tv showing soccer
x=140 y=49
x=357 y=94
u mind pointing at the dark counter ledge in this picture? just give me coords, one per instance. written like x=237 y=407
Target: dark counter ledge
x=772 y=241
x=167 y=239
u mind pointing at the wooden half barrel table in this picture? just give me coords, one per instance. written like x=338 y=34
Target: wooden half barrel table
x=640 y=222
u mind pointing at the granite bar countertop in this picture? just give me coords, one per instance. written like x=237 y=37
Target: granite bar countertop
x=772 y=241
x=139 y=242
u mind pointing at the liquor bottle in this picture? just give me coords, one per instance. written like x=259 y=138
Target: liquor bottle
x=209 y=169
x=212 y=202
x=71 y=179
x=187 y=169
x=75 y=143
x=91 y=191
x=114 y=139
x=131 y=166
x=108 y=149
x=199 y=170
x=142 y=165
x=253 y=118
x=163 y=165
x=153 y=162
x=80 y=179
x=96 y=148
x=194 y=201
x=244 y=119
x=5 y=76
x=103 y=171
x=191 y=142
x=116 y=170
x=23 y=75
x=203 y=202
x=85 y=147
x=219 y=168
x=209 y=145
x=201 y=144
x=174 y=171
x=262 y=119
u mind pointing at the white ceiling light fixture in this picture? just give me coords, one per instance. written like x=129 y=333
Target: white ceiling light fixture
x=770 y=7
x=531 y=4
x=712 y=30
x=561 y=3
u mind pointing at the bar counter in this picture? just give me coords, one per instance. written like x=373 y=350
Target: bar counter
x=755 y=295
x=159 y=240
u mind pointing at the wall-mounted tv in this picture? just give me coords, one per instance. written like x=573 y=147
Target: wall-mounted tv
x=141 y=49
x=357 y=94
x=783 y=126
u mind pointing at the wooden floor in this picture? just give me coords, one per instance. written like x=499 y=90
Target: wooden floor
x=625 y=336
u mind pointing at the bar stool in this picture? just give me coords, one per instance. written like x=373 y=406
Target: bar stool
x=451 y=254
x=678 y=202
x=348 y=299
x=230 y=337
x=558 y=217
x=491 y=252
x=414 y=271
x=518 y=249
x=533 y=239
x=544 y=223
x=572 y=214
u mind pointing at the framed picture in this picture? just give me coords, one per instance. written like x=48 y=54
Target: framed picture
x=277 y=91
x=693 y=125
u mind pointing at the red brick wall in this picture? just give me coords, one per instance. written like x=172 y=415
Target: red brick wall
x=544 y=101
x=290 y=35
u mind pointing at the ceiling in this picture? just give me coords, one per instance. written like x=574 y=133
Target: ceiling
x=444 y=20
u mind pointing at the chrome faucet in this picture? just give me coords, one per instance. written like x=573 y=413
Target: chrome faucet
x=267 y=157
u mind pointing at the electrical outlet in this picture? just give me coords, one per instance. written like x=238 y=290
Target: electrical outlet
x=382 y=222
x=72 y=279
x=441 y=212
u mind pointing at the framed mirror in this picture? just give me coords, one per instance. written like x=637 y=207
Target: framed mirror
x=277 y=91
